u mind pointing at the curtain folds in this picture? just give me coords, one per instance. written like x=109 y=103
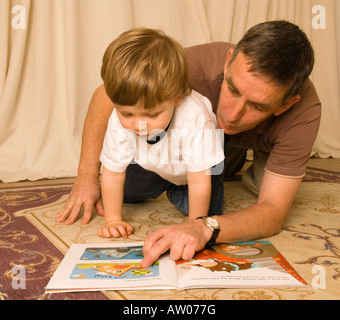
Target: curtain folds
x=50 y=58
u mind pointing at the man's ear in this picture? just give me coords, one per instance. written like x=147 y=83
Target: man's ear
x=229 y=54
x=289 y=104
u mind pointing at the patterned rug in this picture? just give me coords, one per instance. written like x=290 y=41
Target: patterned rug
x=32 y=244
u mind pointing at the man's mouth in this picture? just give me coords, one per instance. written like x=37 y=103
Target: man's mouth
x=224 y=125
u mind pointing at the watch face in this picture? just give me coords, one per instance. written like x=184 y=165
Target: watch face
x=213 y=222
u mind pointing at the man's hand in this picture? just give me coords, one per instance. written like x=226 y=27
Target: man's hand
x=84 y=194
x=86 y=189
x=183 y=240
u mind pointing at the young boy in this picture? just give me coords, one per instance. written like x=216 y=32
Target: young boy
x=159 y=129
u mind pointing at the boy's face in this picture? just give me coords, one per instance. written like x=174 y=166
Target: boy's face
x=145 y=121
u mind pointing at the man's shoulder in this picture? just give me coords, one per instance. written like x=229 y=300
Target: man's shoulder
x=195 y=103
x=208 y=53
x=206 y=66
x=306 y=110
x=218 y=47
x=195 y=109
x=309 y=95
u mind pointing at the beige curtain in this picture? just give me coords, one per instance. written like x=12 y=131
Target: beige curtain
x=50 y=58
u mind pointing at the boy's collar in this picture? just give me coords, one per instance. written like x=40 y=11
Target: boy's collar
x=158 y=137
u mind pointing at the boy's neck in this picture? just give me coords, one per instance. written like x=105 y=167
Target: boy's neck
x=158 y=137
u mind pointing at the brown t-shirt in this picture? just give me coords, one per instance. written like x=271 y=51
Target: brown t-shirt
x=288 y=138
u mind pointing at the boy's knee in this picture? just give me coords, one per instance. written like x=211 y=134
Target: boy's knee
x=178 y=195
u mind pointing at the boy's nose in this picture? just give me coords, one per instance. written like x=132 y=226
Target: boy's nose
x=141 y=125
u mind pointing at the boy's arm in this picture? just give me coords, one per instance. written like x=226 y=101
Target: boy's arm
x=112 y=184
x=199 y=185
x=85 y=192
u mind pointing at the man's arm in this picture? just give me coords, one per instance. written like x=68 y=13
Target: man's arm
x=86 y=189
x=267 y=216
x=261 y=220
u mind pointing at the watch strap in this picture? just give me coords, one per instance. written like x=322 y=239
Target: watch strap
x=215 y=231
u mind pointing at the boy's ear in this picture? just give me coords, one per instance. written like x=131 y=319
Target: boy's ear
x=178 y=99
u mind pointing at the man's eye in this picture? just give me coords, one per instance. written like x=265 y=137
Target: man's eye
x=256 y=107
x=125 y=114
x=232 y=90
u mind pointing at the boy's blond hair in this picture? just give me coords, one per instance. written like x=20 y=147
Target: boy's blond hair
x=146 y=66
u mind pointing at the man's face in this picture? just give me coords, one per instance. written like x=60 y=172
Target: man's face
x=245 y=99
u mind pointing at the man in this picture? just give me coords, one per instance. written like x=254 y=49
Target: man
x=264 y=101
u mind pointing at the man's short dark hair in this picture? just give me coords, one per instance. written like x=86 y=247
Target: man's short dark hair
x=281 y=51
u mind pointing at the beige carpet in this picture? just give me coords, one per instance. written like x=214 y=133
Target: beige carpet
x=310 y=240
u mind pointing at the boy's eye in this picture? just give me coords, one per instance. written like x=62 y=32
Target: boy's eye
x=153 y=115
x=125 y=114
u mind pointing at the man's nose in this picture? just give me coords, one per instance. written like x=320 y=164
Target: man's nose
x=237 y=110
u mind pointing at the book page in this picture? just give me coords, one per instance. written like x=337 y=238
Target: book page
x=248 y=264
x=110 y=266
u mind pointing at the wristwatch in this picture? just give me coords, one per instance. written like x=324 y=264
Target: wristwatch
x=213 y=225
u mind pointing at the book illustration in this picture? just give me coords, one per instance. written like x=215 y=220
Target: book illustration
x=214 y=261
x=113 y=271
x=215 y=265
x=119 y=267
x=261 y=253
x=131 y=253
x=227 y=258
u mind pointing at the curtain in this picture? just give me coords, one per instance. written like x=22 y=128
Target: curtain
x=50 y=59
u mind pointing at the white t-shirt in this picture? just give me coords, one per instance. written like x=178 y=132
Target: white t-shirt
x=192 y=143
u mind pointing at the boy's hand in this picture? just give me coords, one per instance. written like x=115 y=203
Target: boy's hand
x=116 y=229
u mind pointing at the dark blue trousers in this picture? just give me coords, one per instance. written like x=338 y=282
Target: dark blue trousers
x=141 y=184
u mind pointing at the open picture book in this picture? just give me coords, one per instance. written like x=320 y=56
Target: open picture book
x=116 y=266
